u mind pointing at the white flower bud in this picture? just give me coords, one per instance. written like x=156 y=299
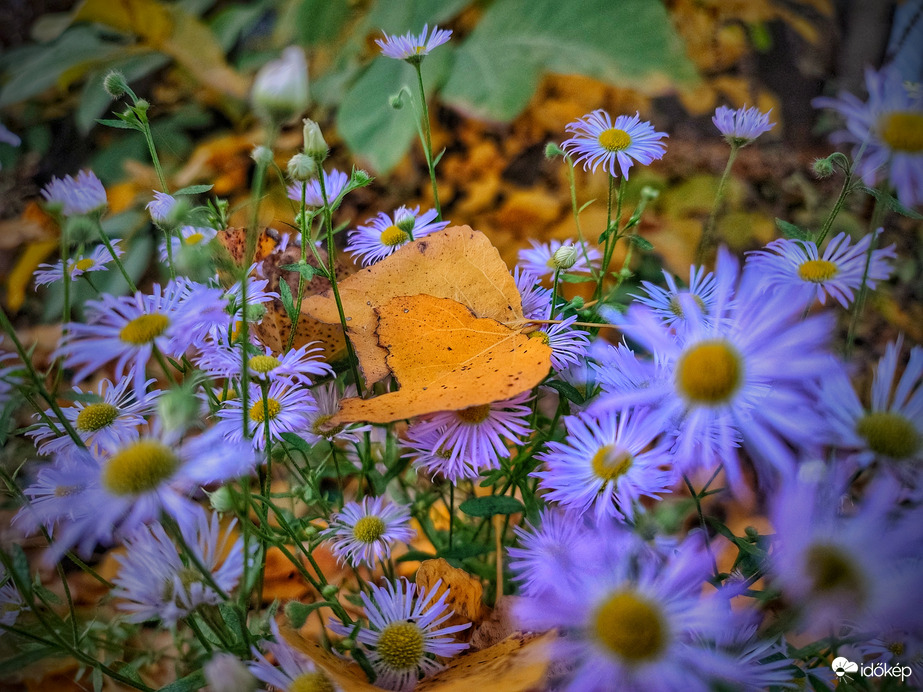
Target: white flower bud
x=301 y=167
x=564 y=257
x=280 y=90
x=314 y=144
x=262 y=155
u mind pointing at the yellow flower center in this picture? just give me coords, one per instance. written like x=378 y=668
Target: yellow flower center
x=320 y=428
x=709 y=372
x=831 y=570
x=67 y=490
x=817 y=271
x=889 y=434
x=84 y=264
x=677 y=309
x=542 y=336
x=138 y=467
x=903 y=131
x=630 y=627
x=194 y=239
x=400 y=646
x=258 y=412
x=263 y=364
x=474 y=414
x=896 y=648
x=144 y=329
x=96 y=416
x=393 y=236
x=614 y=139
x=369 y=529
x=311 y=682
x=610 y=462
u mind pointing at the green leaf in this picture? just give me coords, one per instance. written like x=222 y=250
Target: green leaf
x=575 y=278
x=891 y=202
x=790 y=230
x=78 y=46
x=411 y=15
x=193 y=681
x=320 y=22
x=295 y=441
x=288 y=302
x=370 y=127
x=640 y=243
x=118 y=124
x=490 y=505
x=85 y=397
x=415 y=556
x=568 y=391
x=193 y=190
x=22 y=578
x=303 y=268
x=630 y=43
x=20 y=661
x=461 y=552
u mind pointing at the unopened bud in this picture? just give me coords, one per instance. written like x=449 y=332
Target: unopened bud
x=314 y=144
x=301 y=167
x=142 y=105
x=564 y=257
x=177 y=407
x=396 y=101
x=262 y=155
x=115 y=84
x=406 y=224
x=280 y=90
x=222 y=499
x=823 y=168
x=649 y=193
x=329 y=592
x=552 y=150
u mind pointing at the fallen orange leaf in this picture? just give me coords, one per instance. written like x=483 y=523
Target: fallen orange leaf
x=447 y=359
x=465 y=592
x=457 y=263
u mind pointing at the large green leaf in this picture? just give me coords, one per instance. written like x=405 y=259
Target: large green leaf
x=626 y=42
x=78 y=46
x=412 y=15
x=369 y=125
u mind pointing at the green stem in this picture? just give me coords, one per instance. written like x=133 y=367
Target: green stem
x=828 y=222
x=708 y=239
x=332 y=275
x=554 y=293
x=427 y=142
x=167 y=370
x=451 y=511
x=266 y=477
x=149 y=139
x=698 y=508
x=877 y=215
x=572 y=183
x=304 y=242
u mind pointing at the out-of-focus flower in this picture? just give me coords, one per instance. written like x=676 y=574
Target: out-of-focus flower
x=96 y=261
x=84 y=194
x=280 y=90
x=295 y=672
x=334 y=182
x=226 y=672
x=410 y=47
x=536 y=300
x=741 y=126
x=189 y=236
x=161 y=208
x=890 y=127
x=598 y=141
x=544 y=560
x=667 y=303
x=363 y=532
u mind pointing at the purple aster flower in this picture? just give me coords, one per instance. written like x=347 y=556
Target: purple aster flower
x=96 y=261
x=745 y=376
x=99 y=497
x=155 y=583
x=327 y=398
x=334 y=183
x=8 y=377
x=544 y=560
x=412 y=48
x=607 y=464
x=890 y=127
x=568 y=345
x=620 y=371
x=384 y=234
x=666 y=302
x=636 y=620
x=797 y=263
x=128 y=329
x=161 y=208
x=740 y=126
x=189 y=237
x=404 y=634
x=436 y=459
x=301 y=365
x=597 y=140
x=478 y=434
x=11 y=601
x=536 y=300
x=891 y=428
x=295 y=672
x=112 y=420
x=256 y=296
x=83 y=195
x=288 y=409
x=855 y=566
x=539 y=258
x=363 y=532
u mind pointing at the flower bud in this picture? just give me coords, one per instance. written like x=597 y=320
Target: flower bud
x=649 y=193
x=262 y=155
x=406 y=224
x=228 y=673
x=314 y=144
x=552 y=150
x=115 y=84
x=280 y=90
x=301 y=167
x=177 y=407
x=564 y=257
x=329 y=592
x=396 y=101
x=221 y=500
x=142 y=105
x=823 y=168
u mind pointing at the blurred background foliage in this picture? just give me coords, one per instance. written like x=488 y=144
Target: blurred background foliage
x=515 y=73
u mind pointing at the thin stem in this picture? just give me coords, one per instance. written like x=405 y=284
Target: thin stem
x=877 y=214
x=149 y=139
x=698 y=509
x=554 y=293
x=707 y=241
x=167 y=370
x=303 y=224
x=828 y=222
x=427 y=142
x=332 y=275
x=267 y=476
x=576 y=212
x=451 y=512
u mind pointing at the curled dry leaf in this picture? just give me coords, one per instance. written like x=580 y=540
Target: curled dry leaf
x=447 y=359
x=457 y=263
x=516 y=664
x=465 y=592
